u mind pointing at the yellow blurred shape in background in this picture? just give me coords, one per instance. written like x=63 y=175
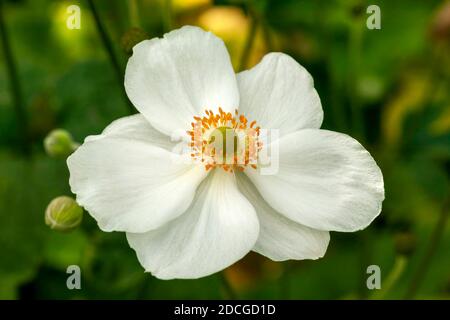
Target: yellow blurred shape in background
x=225 y=22
x=181 y=5
x=409 y=99
x=232 y=25
x=442 y=124
x=74 y=41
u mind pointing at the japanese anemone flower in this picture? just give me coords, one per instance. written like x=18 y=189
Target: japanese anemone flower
x=188 y=214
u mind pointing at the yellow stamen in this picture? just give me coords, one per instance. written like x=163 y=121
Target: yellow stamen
x=224 y=140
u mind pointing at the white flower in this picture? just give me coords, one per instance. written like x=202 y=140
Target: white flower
x=189 y=219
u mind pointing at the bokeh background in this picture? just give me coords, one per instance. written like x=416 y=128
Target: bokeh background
x=389 y=88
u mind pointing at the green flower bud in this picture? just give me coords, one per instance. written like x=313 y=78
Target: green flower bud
x=132 y=37
x=63 y=214
x=59 y=143
x=405 y=243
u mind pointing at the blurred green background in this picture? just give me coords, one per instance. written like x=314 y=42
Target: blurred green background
x=388 y=88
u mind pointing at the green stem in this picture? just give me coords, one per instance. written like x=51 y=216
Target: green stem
x=354 y=54
x=365 y=242
x=424 y=264
x=228 y=289
x=336 y=106
x=134 y=13
x=167 y=15
x=107 y=44
x=267 y=36
x=392 y=278
x=16 y=90
x=249 y=43
x=284 y=280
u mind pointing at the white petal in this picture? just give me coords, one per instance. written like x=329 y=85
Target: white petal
x=136 y=127
x=172 y=79
x=127 y=182
x=218 y=229
x=279 y=237
x=278 y=93
x=326 y=180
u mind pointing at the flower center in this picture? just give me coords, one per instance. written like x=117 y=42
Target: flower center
x=225 y=140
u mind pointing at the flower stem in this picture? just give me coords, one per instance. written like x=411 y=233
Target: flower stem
x=284 y=280
x=227 y=288
x=167 y=15
x=392 y=278
x=249 y=43
x=354 y=54
x=267 y=37
x=365 y=256
x=134 y=13
x=336 y=106
x=424 y=264
x=16 y=90
x=107 y=44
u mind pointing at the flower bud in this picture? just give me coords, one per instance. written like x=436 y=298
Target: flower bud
x=63 y=214
x=405 y=243
x=59 y=143
x=132 y=37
